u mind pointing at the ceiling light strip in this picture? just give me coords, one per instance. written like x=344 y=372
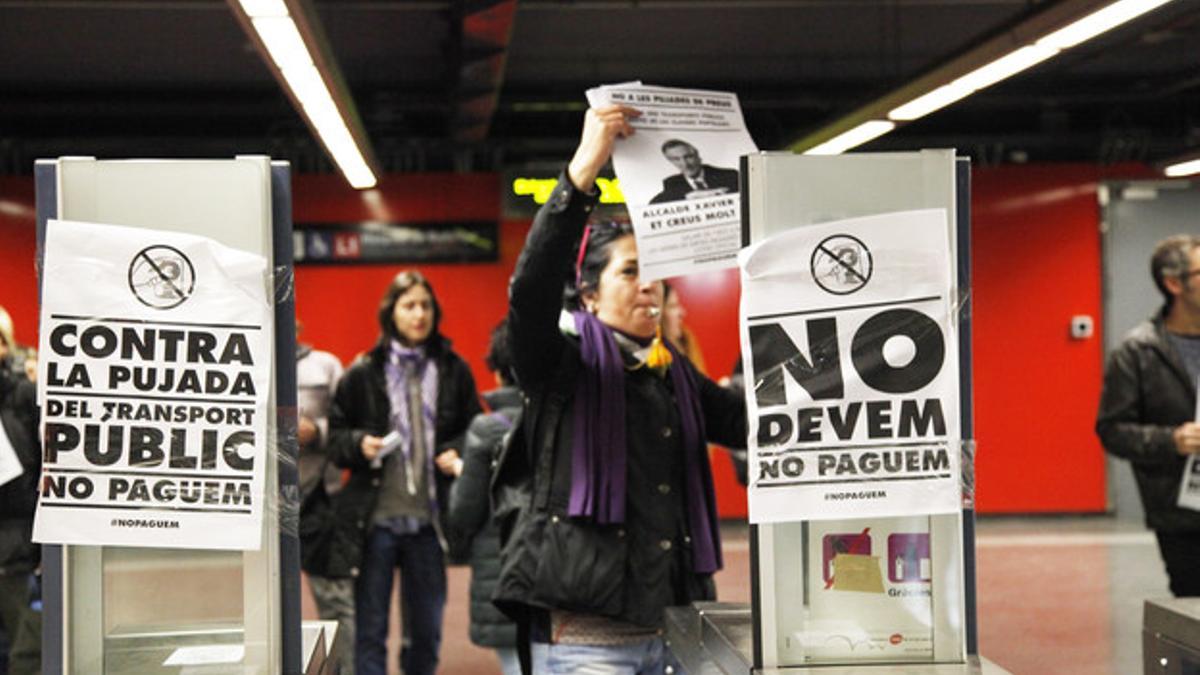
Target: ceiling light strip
x=1183 y=168
x=1035 y=50
x=860 y=134
x=294 y=60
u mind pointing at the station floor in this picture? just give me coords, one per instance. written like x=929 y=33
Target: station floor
x=1057 y=595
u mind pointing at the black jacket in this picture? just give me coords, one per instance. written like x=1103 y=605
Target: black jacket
x=630 y=571
x=18 y=497
x=469 y=527
x=1147 y=394
x=361 y=407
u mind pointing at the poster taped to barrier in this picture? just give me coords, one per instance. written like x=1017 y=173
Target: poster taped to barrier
x=848 y=337
x=679 y=175
x=154 y=383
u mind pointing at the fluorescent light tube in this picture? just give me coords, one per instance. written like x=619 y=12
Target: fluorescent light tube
x=306 y=83
x=291 y=56
x=1183 y=168
x=855 y=137
x=260 y=8
x=980 y=78
x=1098 y=22
x=1004 y=67
x=283 y=42
x=935 y=100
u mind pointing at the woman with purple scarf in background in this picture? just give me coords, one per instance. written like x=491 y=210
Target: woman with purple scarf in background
x=399 y=416
x=620 y=517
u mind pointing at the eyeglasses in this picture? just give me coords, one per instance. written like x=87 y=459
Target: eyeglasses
x=1189 y=274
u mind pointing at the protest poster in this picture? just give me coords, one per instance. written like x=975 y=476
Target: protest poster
x=154 y=381
x=1189 y=487
x=848 y=338
x=679 y=175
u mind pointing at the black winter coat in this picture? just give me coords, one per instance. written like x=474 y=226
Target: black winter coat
x=631 y=571
x=361 y=407
x=1147 y=394
x=469 y=526
x=18 y=497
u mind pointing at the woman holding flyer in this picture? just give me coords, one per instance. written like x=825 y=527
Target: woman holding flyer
x=398 y=419
x=621 y=521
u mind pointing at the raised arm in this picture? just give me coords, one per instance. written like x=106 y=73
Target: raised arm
x=535 y=291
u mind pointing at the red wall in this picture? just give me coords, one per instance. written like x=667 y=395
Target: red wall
x=337 y=303
x=1036 y=257
x=18 y=251
x=1036 y=262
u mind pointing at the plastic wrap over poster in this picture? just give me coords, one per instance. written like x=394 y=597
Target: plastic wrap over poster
x=154 y=382
x=679 y=175
x=848 y=337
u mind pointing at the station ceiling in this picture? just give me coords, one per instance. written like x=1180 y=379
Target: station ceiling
x=179 y=78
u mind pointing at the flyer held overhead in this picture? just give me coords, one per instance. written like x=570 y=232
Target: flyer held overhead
x=679 y=175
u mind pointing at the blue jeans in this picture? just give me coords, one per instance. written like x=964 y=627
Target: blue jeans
x=510 y=663
x=640 y=658
x=422 y=601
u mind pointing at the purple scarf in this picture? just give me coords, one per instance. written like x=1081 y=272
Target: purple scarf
x=599 y=442
x=400 y=361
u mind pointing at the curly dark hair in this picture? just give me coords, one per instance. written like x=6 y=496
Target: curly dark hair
x=599 y=239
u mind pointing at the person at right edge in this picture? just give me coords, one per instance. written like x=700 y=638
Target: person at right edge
x=1148 y=407
x=20 y=596
x=621 y=522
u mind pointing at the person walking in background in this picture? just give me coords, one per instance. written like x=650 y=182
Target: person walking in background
x=20 y=466
x=1148 y=406
x=317 y=375
x=469 y=525
x=621 y=521
x=398 y=419
x=676 y=331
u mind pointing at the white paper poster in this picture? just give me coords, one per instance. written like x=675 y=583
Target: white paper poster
x=154 y=381
x=10 y=463
x=848 y=336
x=679 y=175
x=1189 y=487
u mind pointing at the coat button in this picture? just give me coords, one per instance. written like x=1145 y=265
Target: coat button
x=687 y=540
x=361 y=524
x=374 y=482
x=621 y=532
x=666 y=432
x=353 y=571
x=664 y=489
x=554 y=519
x=665 y=544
